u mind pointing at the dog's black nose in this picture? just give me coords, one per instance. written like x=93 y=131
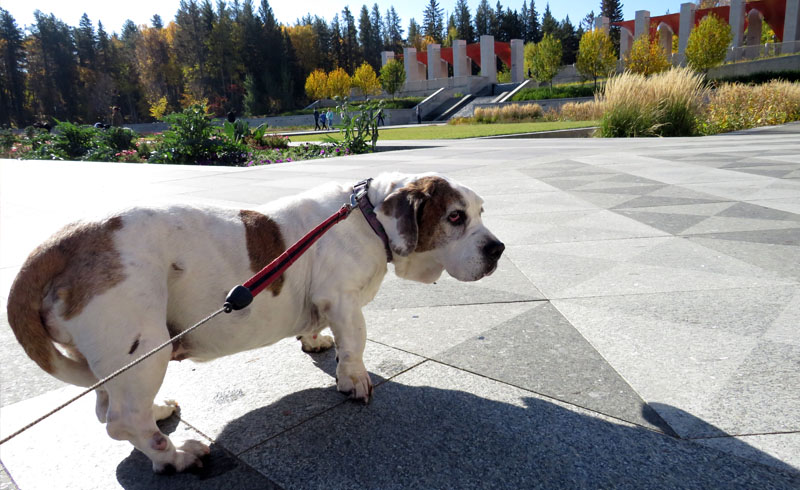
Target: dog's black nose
x=494 y=249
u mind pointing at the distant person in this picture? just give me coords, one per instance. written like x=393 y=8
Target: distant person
x=381 y=122
x=316 y=119
x=116 y=116
x=330 y=119
x=323 y=120
x=419 y=116
x=231 y=117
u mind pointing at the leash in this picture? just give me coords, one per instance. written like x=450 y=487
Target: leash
x=242 y=295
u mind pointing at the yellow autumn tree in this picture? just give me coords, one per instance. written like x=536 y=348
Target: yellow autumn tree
x=596 y=57
x=339 y=83
x=646 y=57
x=366 y=80
x=317 y=85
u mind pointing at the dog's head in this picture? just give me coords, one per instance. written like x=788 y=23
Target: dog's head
x=435 y=224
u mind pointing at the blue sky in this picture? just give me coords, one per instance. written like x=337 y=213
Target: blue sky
x=114 y=12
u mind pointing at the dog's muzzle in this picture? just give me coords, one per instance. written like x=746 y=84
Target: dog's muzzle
x=492 y=251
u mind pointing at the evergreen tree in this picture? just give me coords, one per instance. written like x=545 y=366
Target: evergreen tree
x=463 y=20
x=483 y=19
x=52 y=68
x=414 y=34
x=376 y=26
x=156 y=22
x=12 y=77
x=324 y=44
x=366 y=46
x=494 y=21
x=587 y=24
x=394 y=31
x=613 y=10
x=533 y=31
x=569 y=41
x=337 y=44
x=510 y=26
x=549 y=23
x=350 y=48
x=433 y=21
x=85 y=42
x=191 y=48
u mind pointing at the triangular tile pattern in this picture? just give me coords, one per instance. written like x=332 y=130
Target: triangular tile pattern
x=544 y=353
x=679 y=210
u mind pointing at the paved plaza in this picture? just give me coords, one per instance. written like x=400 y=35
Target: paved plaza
x=642 y=330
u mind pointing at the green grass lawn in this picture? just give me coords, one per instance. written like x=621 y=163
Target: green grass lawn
x=448 y=131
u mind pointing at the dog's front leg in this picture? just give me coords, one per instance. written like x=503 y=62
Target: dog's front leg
x=350 y=332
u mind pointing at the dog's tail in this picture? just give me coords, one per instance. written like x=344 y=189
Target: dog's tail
x=25 y=316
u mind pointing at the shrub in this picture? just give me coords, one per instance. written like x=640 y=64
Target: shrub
x=734 y=106
x=665 y=104
x=7 y=140
x=646 y=57
x=508 y=113
x=192 y=139
x=762 y=77
x=557 y=92
x=708 y=43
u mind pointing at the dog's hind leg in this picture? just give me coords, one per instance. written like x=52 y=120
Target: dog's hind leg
x=132 y=415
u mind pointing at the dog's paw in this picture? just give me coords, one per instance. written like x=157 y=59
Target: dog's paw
x=357 y=385
x=161 y=412
x=316 y=343
x=187 y=455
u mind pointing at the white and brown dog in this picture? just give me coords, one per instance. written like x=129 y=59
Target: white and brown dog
x=97 y=295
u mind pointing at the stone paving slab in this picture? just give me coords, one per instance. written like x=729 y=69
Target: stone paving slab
x=641 y=330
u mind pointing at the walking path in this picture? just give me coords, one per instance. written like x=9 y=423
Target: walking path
x=641 y=331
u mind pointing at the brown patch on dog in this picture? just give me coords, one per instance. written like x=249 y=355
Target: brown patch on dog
x=264 y=243
x=76 y=264
x=419 y=208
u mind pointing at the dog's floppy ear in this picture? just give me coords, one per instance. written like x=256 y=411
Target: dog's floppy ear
x=398 y=213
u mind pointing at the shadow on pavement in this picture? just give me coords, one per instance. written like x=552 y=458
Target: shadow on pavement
x=425 y=437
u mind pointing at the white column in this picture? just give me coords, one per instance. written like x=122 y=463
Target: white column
x=686 y=26
x=517 y=60
x=602 y=23
x=461 y=64
x=410 y=62
x=642 y=24
x=625 y=41
x=736 y=21
x=434 y=61
x=488 y=60
x=791 y=27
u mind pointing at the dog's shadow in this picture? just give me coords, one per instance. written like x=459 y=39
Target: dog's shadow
x=424 y=437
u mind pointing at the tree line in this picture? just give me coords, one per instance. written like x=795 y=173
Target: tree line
x=232 y=56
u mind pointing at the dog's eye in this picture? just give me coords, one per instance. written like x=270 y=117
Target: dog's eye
x=456 y=217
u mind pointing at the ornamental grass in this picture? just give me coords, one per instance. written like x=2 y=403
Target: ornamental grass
x=734 y=106
x=508 y=113
x=663 y=104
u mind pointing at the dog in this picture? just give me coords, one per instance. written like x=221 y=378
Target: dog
x=97 y=295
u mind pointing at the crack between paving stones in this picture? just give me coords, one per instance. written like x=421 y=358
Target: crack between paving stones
x=427 y=359
x=726 y=436
x=8 y=473
x=346 y=400
x=550 y=397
